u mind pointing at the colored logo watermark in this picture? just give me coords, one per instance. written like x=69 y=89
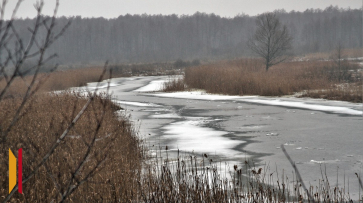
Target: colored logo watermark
x=12 y=171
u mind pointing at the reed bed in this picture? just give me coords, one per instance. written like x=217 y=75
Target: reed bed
x=248 y=77
x=343 y=92
x=101 y=155
x=174 y=84
x=58 y=80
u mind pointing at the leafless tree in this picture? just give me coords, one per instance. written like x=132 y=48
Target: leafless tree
x=271 y=39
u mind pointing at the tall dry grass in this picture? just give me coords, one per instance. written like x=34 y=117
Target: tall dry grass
x=112 y=165
x=248 y=77
x=58 y=80
x=174 y=84
x=343 y=92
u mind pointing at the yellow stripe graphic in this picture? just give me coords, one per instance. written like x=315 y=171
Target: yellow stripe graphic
x=12 y=171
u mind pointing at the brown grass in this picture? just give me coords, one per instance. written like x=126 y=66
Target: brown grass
x=344 y=92
x=41 y=123
x=248 y=77
x=59 y=80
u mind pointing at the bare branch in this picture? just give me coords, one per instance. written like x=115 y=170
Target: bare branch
x=297 y=173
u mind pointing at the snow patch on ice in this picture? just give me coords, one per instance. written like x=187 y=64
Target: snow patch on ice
x=135 y=103
x=250 y=127
x=190 y=136
x=200 y=95
x=324 y=161
x=168 y=115
x=102 y=85
x=155 y=110
x=153 y=86
x=272 y=134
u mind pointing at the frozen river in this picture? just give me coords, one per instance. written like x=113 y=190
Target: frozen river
x=315 y=133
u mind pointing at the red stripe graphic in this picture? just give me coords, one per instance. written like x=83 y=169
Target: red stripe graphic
x=20 y=170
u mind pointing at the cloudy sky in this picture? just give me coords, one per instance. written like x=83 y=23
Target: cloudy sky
x=227 y=8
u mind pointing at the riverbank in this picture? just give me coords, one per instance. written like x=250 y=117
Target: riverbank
x=317 y=79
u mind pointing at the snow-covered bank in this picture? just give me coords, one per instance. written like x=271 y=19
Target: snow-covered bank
x=310 y=104
x=302 y=105
x=336 y=107
x=135 y=103
x=156 y=85
x=153 y=86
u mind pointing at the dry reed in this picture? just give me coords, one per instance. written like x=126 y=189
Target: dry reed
x=174 y=84
x=59 y=80
x=248 y=77
x=112 y=164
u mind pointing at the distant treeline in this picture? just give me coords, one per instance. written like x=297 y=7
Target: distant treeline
x=151 y=38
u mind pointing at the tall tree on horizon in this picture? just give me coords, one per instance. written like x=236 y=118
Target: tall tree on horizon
x=271 y=40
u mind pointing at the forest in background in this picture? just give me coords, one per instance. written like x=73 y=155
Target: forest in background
x=157 y=38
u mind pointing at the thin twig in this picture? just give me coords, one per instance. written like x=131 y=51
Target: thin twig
x=297 y=173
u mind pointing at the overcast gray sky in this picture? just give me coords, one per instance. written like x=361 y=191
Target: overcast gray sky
x=228 y=8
